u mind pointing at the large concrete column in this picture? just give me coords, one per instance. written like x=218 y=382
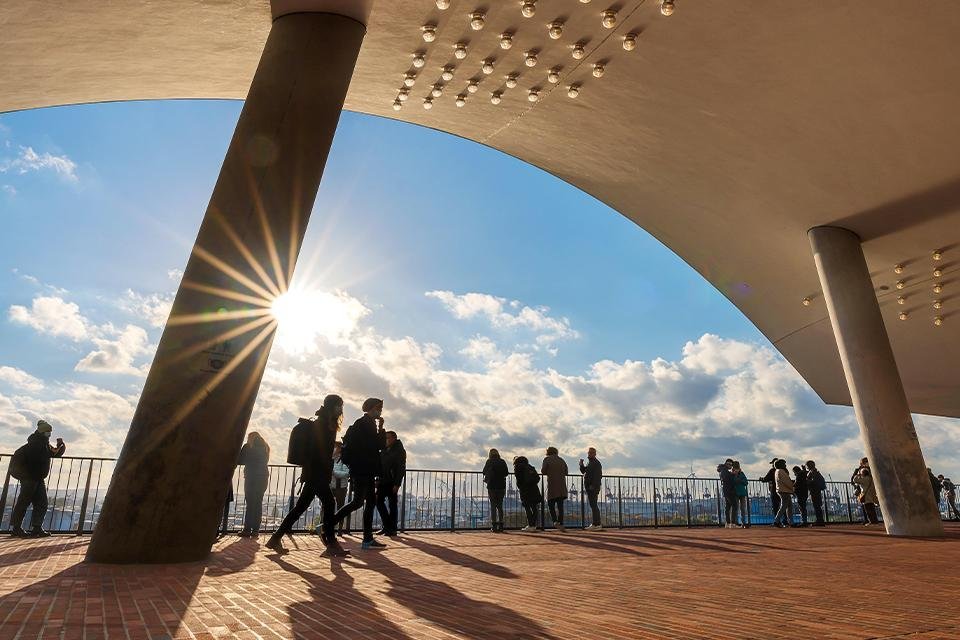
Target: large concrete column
x=171 y=480
x=886 y=427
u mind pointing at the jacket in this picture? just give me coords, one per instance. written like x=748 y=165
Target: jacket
x=784 y=483
x=341 y=475
x=37 y=454
x=800 y=484
x=495 y=474
x=393 y=465
x=726 y=483
x=592 y=475
x=769 y=479
x=319 y=467
x=868 y=494
x=740 y=484
x=362 y=444
x=815 y=481
x=254 y=461
x=555 y=469
x=528 y=482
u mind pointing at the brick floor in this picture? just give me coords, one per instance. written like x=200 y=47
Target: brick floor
x=839 y=582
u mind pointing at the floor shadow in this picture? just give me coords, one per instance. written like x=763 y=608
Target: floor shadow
x=232 y=558
x=590 y=543
x=365 y=619
x=680 y=541
x=452 y=556
x=673 y=539
x=32 y=553
x=441 y=605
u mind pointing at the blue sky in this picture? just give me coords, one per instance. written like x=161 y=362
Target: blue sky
x=100 y=205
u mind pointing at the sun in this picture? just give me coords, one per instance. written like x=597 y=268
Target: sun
x=306 y=315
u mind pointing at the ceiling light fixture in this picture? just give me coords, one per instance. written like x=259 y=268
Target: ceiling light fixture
x=473 y=86
x=937 y=304
x=666 y=7
x=437 y=90
x=555 y=29
x=443 y=4
x=461 y=100
x=530 y=58
x=609 y=20
x=495 y=97
x=511 y=80
x=397 y=105
x=419 y=60
x=937 y=255
x=938 y=288
x=937 y=321
x=806 y=302
x=533 y=96
x=901 y=300
x=553 y=76
x=403 y=95
x=428 y=103
x=460 y=50
x=937 y=272
x=487 y=67
x=598 y=70
x=477 y=20
x=573 y=91
x=447 y=73
x=630 y=42
x=506 y=40
x=898 y=269
x=529 y=8
x=429 y=32
x=410 y=79
x=578 y=51
x=903 y=315
x=900 y=284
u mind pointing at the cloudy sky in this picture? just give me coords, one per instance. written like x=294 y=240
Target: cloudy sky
x=533 y=315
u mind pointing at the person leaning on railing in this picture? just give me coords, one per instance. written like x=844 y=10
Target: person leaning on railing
x=254 y=455
x=528 y=483
x=816 y=485
x=30 y=465
x=495 y=474
x=592 y=483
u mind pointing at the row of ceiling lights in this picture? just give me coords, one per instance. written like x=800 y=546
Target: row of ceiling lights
x=477 y=22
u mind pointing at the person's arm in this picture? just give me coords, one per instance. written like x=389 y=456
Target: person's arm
x=583 y=469
x=56 y=452
x=244 y=454
x=543 y=466
x=401 y=471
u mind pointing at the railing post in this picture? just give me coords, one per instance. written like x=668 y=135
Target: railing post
x=721 y=513
x=583 y=509
x=453 y=500
x=619 y=504
x=403 y=503
x=846 y=491
x=3 y=495
x=83 y=503
x=656 y=500
x=686 y=497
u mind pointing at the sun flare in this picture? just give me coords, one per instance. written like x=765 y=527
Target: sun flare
x=304 y=315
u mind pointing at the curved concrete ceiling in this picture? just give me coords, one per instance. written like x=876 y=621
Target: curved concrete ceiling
x=730 y=130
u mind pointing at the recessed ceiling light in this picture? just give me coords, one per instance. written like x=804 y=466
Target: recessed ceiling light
x=506 y=40
x=903 y=315
x=409 y=80
x=529 y=8
x=609 y=20
x=938 y=288
x=495 y=97
x=900 y=284
x=630 y=42
x=429 y=32
x=443 y=4
x=898 y=268
x=937 y=272
x=397 y=105
x=533 y=96
x=487 y=67
x=530 y=58
x=937 y=255
x=511 y=81
x=428 y=103
x=666 y=7
x=473 y=86
x=419 y=60
x=806 y=302
x=437 y=91
x=598 y=70
x=477 y=20
x=938 y=321
x=555 y=29
x=573 y=91
x=901 y=300
x=460 y=50
x=937 y=304
x=578 y=51
x=461 y=100
x=447 y=73
x=403 y=95
x=553 y=76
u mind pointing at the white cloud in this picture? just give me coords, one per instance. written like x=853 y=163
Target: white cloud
x=117 y=355
x=175 y=274
x=153 y=307
x=20 y=379
x=29 y=160
x=507 y=314
x=8 y=189
x=53 y=316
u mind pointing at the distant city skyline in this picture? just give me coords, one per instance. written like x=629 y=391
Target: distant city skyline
x=489 y=303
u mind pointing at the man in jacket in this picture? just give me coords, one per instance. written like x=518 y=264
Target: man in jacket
x=592 y=483
x=361 y=452
x=770 y=479
x=555 y=469
x=816 y=485
x=315 y=475
x=950 y=490
x=33 y=459
x=393 y=467
x=729 y=491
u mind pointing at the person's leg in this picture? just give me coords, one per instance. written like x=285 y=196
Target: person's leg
x=817 y=498
x=781 y=517
x=775 y=502
x=595 y=508
x=552 y=506
x=560 y=502
x=734 y=510
x=531 y=514
x=339 y=497
x=802 y=508
x=744 y=517
x=307 y=492
x=39 y=503
x=359 y=491
x=24 y=499
x=393 y=512
x=328 y=513
x=369 y=504
x=381 y=500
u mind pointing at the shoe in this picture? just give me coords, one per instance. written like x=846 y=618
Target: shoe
x=386 y=532
x=276 y=543
x=38 y=532
x=243 y=533
x=560 y=527
x=18 y=532
x=598 y=527
x=589 y=527
x=335 y=550
x=528 y=529
x=372 y=544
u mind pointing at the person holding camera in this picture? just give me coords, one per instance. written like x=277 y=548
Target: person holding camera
x=31 y=466
x=592 y=483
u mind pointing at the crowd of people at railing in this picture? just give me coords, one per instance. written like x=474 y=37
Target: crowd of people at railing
x=371 y=462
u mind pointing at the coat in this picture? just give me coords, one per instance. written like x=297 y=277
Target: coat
x=800 y=485
x=393 y=465
x=555 y=469
x=255 y=471
x=592 y=475
x=784 y=483
x=528 y=482
x=319 y=467
x=740 y=484
x=495 y=474
x=868 y=493
x=341 y=475
x=727 y=484
x=362 y=444
x=37 y=454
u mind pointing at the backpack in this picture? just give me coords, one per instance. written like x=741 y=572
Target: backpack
x=819 y=482
x=298 y=450
x=18 y=464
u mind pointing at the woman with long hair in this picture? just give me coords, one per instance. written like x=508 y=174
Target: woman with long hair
x=254 y=456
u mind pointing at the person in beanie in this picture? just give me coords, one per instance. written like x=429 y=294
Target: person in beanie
x=816 y=485
x=495 y=474
x=528 y=483
x=361 y=452
x=555 y=468
x=32 y=462
x=393 y=468
x=316 y=473
x=770 y=479
x=592 y=483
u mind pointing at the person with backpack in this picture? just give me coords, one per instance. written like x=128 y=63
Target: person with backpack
x=816 y=485
x=495 y=474
x=311 y=448
x=950 y=490
x=361 y=452
x=254 y=455
x=741 y=485
x=592 y=483
x=393 y=469
x=801 y=491
x=528 y=483
x=30 y=465
x=555 y=468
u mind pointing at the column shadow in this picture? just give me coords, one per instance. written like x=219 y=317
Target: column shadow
x=34 y=552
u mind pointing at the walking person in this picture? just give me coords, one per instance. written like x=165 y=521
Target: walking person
x=867 y=496
x=729 y=491
x=361 y=452
x=339 y=484
x=555 y=468
x=254 y=456
x=393 y=468
x=741 y=485
x=816 y=485
x=800 y=490
x=30 y=465
x=311 y=447
x=784 y=485
x=770 y=479
x=937 y=487
x=495 y=474
x=528 y=483
x=592 y=483
x=950 y=490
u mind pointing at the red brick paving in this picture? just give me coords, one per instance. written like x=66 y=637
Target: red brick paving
x=703 y=583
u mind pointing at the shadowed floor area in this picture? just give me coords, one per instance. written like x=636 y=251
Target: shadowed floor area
x=838 y=582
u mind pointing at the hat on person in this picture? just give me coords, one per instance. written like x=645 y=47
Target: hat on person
x=44 y=427
x=774 y=461
x=371 y=403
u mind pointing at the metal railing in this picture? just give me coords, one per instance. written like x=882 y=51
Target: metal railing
x=439 y=500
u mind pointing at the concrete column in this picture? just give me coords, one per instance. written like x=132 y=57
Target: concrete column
x=171 y=480
x=886 y=427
